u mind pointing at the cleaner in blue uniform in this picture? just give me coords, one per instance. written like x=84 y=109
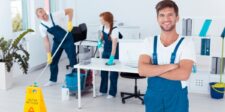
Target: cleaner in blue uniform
x=56 y=25
x=167 y=61
x=109 y=36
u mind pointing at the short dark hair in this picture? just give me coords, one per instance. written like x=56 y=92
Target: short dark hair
x=167 y=3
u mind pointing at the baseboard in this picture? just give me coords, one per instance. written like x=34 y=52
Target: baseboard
x=40 y=66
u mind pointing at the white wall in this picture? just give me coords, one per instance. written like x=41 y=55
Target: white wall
x=61 y=5
x=142 y=12
x=35 y=44
x=5 y=21
x=131 y=12
x=202 y=8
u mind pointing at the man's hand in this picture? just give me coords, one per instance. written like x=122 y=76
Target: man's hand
x=49 y=57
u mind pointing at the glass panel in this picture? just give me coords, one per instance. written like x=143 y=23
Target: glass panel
x=19 y=15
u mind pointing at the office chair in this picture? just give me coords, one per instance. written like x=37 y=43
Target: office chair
x=136 y=93
x=79 y=33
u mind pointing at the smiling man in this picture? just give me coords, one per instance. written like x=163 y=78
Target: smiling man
x=167 y=61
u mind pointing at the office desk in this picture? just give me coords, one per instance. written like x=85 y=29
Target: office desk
x=99 y=64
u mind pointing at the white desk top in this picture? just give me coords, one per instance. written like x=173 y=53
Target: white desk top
x=99 y=64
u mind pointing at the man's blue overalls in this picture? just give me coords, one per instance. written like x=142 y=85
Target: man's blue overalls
x=68 y=45
x=104 y=74
x=165 y=95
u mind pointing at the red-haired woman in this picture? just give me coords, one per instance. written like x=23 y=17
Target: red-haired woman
x=109 y=36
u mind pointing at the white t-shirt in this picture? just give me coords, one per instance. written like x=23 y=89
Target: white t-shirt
x=186 y=50
x=114 y=34
x=59 y=18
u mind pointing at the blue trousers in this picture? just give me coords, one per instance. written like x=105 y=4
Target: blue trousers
x=104 y=79
x=166 y=101
x=70 y=50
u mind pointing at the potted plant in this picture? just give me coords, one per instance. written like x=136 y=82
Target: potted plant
x=217 y=89
x=12 y=52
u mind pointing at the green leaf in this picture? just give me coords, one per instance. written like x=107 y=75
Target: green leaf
x=14 y=53
x=20 y=37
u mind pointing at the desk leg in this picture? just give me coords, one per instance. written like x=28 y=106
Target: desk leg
x=93 y=83
x=79 y=88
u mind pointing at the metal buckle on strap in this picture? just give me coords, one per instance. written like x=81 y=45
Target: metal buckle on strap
x=172 y=59
x=154 y=58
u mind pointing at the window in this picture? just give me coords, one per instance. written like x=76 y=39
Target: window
x=19 y=15
x=50 y=5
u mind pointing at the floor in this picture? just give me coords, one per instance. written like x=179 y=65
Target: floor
x=13 y=99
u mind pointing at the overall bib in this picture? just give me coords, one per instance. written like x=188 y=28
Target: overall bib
x=67 y=45
x=165 y=95
x=104 y=74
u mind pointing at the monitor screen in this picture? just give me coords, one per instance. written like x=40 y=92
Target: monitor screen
x=129 y=51
x=92 y=32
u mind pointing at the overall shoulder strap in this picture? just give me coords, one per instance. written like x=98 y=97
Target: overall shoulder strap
x=103 y=28
x=113 y=29
x=52 y=19
x=44 y=25
x=154 y=58
x=173 y=55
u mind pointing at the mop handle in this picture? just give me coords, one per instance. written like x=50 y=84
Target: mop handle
x=42 y=72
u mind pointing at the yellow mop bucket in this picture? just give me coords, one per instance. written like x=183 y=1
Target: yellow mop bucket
x=34 y=101
x=217 y=90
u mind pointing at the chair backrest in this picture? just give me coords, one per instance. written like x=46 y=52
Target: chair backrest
x=79 y=33
x=83 y=27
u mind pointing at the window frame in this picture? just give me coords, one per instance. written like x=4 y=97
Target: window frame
x=24 y=15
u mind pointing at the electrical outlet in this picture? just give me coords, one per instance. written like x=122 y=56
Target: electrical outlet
x=199 y=82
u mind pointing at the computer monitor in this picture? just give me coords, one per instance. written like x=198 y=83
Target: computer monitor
x=92 y=33
x=129 y=52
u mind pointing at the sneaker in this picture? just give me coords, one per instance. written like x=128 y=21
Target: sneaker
x=49 y=83
x=101 y=94
x=110 y=97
